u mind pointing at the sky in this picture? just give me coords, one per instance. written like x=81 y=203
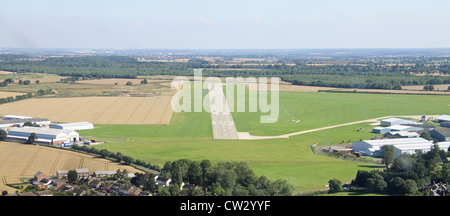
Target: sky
x=230 y=24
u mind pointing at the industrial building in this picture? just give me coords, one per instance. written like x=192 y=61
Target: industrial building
x=441 y=134
x=445 y=124
x=44 y=135
x=403 y=134
x=73 y=126
x=443 y=118
x=18 y=122
x=401 y=145
x=384 y=130
x=395 y=121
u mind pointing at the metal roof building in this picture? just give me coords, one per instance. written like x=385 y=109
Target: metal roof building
x=73 y=126
x=395 y=121
x=443 y=118
x=402 y=145
x=44 y=135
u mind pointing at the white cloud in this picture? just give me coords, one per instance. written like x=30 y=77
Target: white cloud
x=207 y=20
x=257 y=20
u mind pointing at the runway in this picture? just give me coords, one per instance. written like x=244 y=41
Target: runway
x=222 y=121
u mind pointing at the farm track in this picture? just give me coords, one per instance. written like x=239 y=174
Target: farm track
x=80 y=165
x=55 y=163
x=30 y=162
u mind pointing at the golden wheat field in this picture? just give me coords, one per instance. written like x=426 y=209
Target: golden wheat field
x=4 y=94
x=155 y=110
x=19 y=161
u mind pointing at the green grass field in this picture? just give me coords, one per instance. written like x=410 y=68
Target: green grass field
x=189 y=135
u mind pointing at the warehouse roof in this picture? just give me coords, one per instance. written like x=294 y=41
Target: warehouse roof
x=399 y=141
x=74 y=124
x=404 y=133
x=392 y=120
x=37 y=130
x=444 y=118
x=444 y=131
x=12 y=121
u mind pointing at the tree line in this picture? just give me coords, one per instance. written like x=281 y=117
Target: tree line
x=371 y=75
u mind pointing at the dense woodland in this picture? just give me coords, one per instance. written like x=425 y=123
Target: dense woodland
x=364 y=73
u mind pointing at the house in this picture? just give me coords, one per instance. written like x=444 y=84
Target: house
x=95 y=183
x=39 y=176
x=129 y=190
x=44 y=193
x=82 y=172
x=165 y=182
x=395 y=121
x=62 y=174
x=441 y=134
x=78 y=192
x=58 y=183
x=104 y=173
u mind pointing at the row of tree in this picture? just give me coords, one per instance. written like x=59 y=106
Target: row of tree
x=117 y=156
x=40 y=92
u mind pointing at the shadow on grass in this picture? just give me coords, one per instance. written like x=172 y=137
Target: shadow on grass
x=372 y=166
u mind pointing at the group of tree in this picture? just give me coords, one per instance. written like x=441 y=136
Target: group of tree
x=221 y=179
x=117 y=156
x=29 y=95
x=407 y=173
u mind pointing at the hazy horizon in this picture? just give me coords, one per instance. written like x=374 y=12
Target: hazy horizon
x=231 y=25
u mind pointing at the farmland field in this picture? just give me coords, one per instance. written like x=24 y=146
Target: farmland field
x=98 y=110
x=23 y=161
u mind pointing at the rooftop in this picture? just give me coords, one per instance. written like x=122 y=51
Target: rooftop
x=444 y=131
x=37 y=130
x=74 y=124
x=444 y=118
x=399 y=141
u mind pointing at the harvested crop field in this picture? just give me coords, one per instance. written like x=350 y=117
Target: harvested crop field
x=9 y=94
x=23 y=161
x=155 y=110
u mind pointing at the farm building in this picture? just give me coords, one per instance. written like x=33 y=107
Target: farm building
x=4 y=123
x=395 y=121
x=44 y=135
x=73 y=126
x=442 y=134
x=402 y=145
x=443 y=118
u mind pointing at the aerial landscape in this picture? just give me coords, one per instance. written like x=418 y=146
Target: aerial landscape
x=182 y=107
